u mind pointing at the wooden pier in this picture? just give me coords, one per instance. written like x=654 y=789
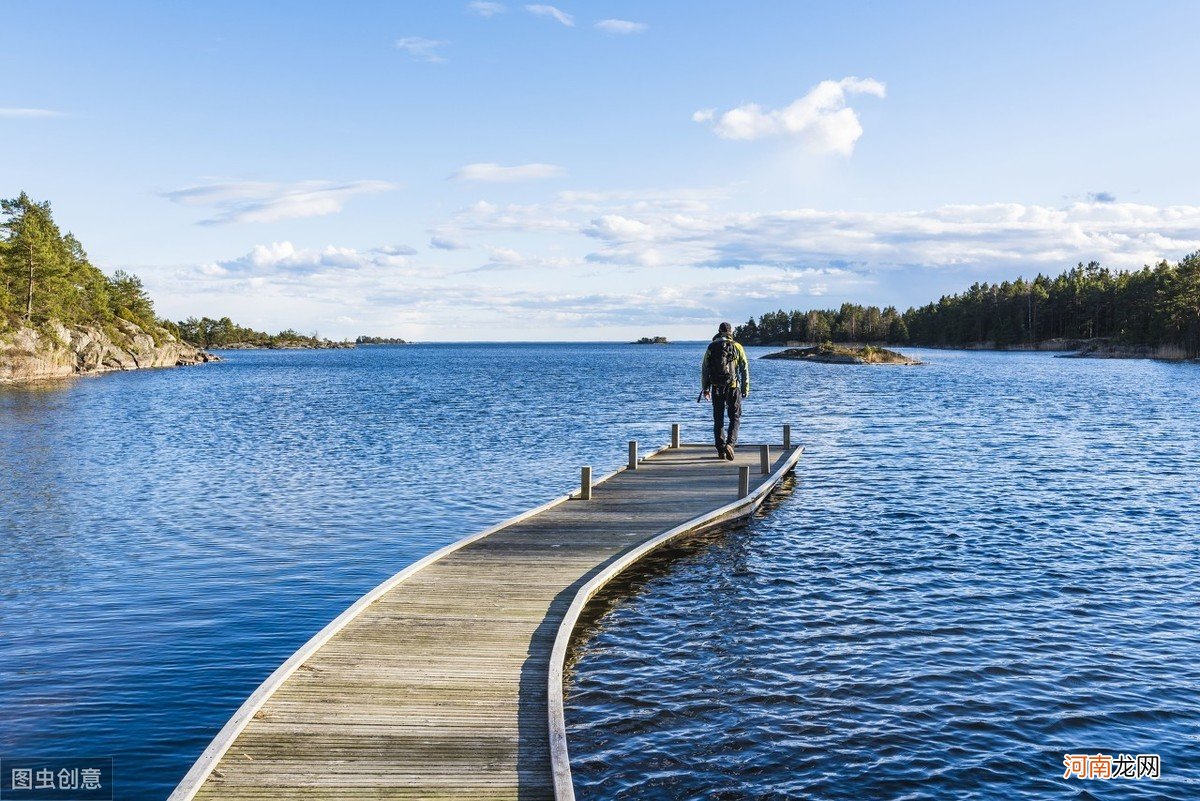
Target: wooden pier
x=446 y=680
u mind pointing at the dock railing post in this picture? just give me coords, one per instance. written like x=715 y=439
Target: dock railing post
x=764 y=458
x=585 y=483
x=674 y=435
x=743 y=480
x=787 y=437
x=633 y=454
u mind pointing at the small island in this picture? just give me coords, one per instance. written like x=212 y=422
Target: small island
x=829 y=353
x=652 y=341
x=366 y=340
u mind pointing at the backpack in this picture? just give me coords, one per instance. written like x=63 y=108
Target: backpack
x=722 y=362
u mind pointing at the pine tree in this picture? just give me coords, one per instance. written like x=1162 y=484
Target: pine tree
x=34 y=257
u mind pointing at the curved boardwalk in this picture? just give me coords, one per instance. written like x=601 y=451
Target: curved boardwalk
x=435 y=685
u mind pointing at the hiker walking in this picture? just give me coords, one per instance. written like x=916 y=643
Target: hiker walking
x=725 y=377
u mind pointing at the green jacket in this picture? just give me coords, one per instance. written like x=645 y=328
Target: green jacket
x=741 y=367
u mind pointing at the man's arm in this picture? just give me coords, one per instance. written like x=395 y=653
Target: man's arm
x=743 y=367
x=704 y=382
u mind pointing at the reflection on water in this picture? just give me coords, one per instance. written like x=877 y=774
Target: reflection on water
x=984 y=562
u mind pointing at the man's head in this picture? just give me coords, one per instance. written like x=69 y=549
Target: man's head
x=725 y=328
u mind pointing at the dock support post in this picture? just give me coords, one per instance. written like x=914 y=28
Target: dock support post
x=585 y=484
x=633 y=454
x=674 y=435
x=764 y=458
x=743 y=480
x=787 y=437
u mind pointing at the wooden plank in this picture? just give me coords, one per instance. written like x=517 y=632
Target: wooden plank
x=445 y=682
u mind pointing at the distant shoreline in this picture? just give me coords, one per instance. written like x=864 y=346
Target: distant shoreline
x=287 y=345
x=1096 y=348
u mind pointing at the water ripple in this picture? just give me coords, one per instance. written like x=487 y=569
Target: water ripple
x=985 y=564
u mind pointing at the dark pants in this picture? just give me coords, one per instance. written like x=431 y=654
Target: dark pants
x=727 y=401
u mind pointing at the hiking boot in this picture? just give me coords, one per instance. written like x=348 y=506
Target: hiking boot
x=720 y=451
x=728 y=453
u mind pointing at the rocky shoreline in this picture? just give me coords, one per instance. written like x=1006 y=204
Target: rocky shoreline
x=59 y=351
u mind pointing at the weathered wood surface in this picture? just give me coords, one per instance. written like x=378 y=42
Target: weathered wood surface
x=438 y=688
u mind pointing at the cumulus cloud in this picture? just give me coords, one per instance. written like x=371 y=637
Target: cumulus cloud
x=505 y=256
x=488 y=172
x=395 y=250
x=28 y=113
x=262 y=202
x=686 y=230
x=682 y=258
x=621 y=26
x=485 y=9
x=1012 y=236
x=447 y=243
x=552 y=13
x=278 y=285
x=614 y=227
x=821 y=118
x=284 y=258
x=421 y=49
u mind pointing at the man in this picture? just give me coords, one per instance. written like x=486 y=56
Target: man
x=725 y=377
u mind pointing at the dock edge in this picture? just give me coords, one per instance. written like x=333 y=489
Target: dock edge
x=560 y=762
x=194 y=779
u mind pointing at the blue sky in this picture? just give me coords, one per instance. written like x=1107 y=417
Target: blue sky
x=598 y=170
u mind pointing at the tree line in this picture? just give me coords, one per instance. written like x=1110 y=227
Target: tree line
x=205 y=332
x=45 y=276
x=1157 y=305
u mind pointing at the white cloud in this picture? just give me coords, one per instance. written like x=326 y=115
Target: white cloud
x=1009 y=236
x=28 y=113
x=485 y=9
x=821 y=119
x=505 y=256
x=447 y=243
x=683 y=229
x=614 y=227
x=495 y=173
x=395 y=250
x=553 y=13
x=595 y=261
x=260 y=202
x=422 y=49
x=285 y=259
x=621 y=26
x=344 y=292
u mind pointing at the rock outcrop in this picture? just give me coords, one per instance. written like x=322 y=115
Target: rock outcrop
x=843 y=354
x=59 y=351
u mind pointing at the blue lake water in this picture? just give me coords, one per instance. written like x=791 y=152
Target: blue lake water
x=983 y=564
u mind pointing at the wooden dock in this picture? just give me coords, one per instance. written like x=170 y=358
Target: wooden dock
x=446 y=680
